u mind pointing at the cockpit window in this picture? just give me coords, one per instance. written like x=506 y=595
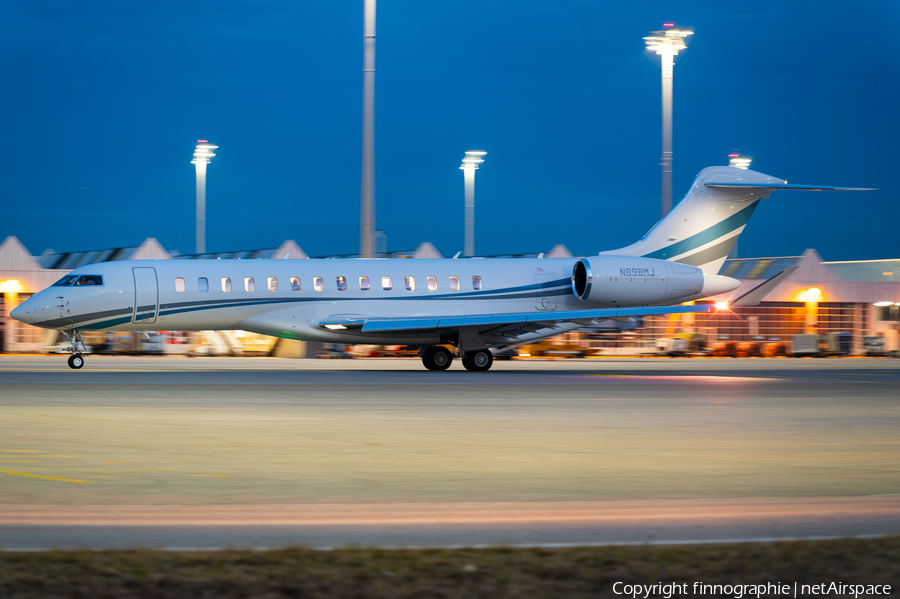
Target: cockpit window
x=65 y=281
x=89 y=280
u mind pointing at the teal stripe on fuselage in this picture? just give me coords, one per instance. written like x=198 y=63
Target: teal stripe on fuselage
x=213 y=305
x=105 y=324
x=730 y=224
x=548 y=289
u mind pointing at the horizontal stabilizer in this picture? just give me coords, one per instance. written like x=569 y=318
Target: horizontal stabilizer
x=758 y=293
x=787 y=186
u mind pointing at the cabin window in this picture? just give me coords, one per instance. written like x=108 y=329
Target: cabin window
x=226 y=284
x=179 y=284
x=454 y=283
x=319 y=284
x=364 y=283
x=89 y=280
x=386 y=283
x=203 y=284
x=432 y=283
x=249 y=285
x=273 y=284
x=410 y=284
x=476 y=283
x=342 y=284
x=295 y=283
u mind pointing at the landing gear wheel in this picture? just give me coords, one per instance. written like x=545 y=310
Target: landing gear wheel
x=437 y=358
x=76 y=361
x=480 y=361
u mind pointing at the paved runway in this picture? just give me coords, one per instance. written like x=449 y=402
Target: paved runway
x=177 y=452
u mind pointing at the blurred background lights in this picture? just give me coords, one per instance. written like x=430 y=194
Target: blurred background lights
x=739 y=161
x=11 y=286
x=204 y=152
x=667 y=41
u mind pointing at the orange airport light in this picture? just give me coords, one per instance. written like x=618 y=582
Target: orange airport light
x=11 y=286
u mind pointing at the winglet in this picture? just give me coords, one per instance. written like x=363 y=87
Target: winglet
x=756 y=295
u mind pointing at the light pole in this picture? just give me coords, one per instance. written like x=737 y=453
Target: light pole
x=202 y=155
x=738 y=161
x=469 y=165
x=367 y=194
x=667 y=44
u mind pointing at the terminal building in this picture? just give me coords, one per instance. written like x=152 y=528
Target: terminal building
x=861 y=298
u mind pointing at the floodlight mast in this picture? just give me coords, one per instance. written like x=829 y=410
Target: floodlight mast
x=202 y=155
x=469 y=165
x=667 y=43
x=367 y=195
x=742 y=162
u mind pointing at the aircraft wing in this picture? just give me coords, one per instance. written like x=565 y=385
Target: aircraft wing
x=505 y=325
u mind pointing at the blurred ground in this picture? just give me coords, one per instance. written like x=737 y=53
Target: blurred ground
x=178 y=452
x=494 y=573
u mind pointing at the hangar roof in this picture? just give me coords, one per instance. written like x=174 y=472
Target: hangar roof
x=811 y=263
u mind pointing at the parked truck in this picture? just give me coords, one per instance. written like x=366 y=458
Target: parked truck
x=839 y=343
x=808 y=345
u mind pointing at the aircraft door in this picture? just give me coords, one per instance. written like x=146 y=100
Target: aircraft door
x=146 y=295
x=546 y=302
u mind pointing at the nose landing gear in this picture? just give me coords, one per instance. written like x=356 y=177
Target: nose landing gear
x=76 y=346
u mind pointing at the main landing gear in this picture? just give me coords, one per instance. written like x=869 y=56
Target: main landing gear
x=76 y=346
x=479 y=361
x=439 y=358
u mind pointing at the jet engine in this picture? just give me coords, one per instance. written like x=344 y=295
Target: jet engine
x=630 y=281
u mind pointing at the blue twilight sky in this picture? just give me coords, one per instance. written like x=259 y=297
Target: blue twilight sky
x=103 y=102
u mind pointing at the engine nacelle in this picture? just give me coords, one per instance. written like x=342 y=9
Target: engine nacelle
x=630 y=281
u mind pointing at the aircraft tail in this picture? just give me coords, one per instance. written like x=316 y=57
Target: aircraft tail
x=701 y=230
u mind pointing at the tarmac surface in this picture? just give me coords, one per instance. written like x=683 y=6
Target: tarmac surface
x=259 y=452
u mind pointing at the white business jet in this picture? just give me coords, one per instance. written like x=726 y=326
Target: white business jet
x=472 y=305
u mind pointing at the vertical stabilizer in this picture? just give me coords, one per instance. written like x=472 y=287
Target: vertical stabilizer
x=704 y=226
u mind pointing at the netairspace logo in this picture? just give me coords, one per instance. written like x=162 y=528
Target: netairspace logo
x=738 y=591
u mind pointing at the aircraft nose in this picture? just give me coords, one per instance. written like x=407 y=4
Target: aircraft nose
x=22 y=313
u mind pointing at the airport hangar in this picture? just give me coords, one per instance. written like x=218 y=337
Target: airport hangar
x=860 y=297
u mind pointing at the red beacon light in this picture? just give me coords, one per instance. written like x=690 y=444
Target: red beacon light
x=668 y=24
x=202 y=141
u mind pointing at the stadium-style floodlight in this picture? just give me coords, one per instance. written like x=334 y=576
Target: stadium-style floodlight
x=667 y=43
x=469 y=165
x=202 y=155
x=367 y=192
x=739 y=161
